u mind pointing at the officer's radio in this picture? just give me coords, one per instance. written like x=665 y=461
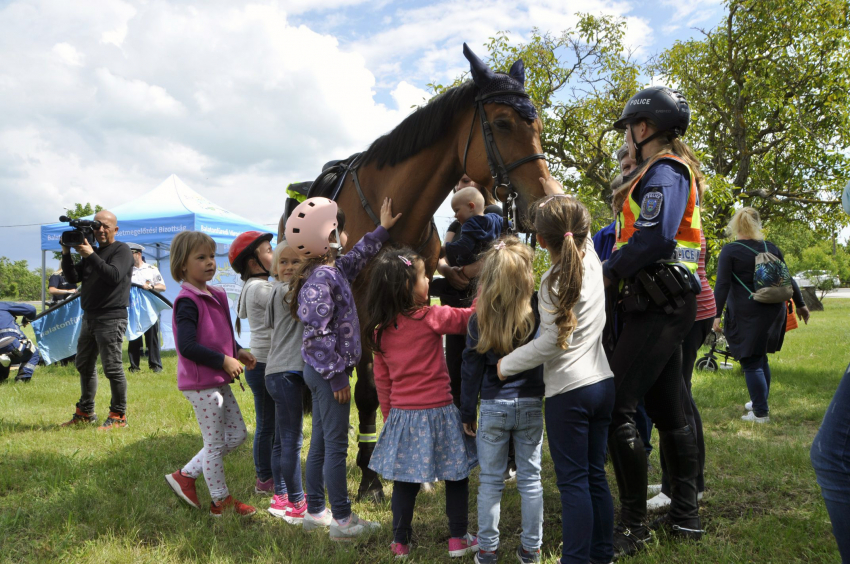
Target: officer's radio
x=83 y=231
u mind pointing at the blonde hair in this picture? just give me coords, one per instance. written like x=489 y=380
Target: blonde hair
x=564 y=223
x=182 y=246
x=282 y=246
x=505 y=317
x=745 y=224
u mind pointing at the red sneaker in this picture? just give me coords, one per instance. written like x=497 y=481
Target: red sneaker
x=114 y=421
x=217 y=508
x=400 y=550
x=80 y=417
x=184 y=487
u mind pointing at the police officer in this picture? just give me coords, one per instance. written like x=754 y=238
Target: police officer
x=653 y=266
x=148 y=277
x=15 y=347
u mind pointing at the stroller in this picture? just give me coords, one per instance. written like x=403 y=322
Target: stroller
x=710 y=362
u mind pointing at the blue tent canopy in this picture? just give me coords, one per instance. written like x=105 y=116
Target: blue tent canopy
x=162 y=213
x=154 y=219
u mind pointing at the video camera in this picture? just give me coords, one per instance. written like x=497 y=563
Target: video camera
x=83 y=231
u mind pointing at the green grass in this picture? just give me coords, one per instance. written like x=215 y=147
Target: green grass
x=78 y=495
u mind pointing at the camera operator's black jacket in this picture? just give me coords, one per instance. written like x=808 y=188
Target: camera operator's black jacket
x=105 y=277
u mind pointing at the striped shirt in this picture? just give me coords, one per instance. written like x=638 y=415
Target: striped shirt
x=706 y=308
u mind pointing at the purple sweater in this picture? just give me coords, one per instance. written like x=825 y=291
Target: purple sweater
x=326 y=308
x=215 y=332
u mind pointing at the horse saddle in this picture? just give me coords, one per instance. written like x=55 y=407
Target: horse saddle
x=329 y=182
x=326 y=185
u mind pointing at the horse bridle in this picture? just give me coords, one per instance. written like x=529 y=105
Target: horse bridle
x=498 y=169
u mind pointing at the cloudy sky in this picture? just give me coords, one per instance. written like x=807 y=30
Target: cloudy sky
x=101 y=101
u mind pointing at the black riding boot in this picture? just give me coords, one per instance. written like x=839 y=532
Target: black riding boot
x=370 y=483
x=629 y=460
x=682 y=459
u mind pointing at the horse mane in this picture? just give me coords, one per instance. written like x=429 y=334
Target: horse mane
x=422 y=128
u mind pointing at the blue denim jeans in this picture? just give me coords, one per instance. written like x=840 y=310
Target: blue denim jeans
x=328 y=449
x=831 y=460
x=501 y=421
x=285 y=388
x=264 y=443
x=757 y=375
x=577 y=425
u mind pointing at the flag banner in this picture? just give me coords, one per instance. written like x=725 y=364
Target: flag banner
x=143 y=312
x=57 y=329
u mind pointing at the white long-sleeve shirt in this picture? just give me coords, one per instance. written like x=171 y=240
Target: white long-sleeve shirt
x=584 y=361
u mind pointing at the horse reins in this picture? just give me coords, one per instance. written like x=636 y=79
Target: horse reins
x=371 y=213
x=498 y=169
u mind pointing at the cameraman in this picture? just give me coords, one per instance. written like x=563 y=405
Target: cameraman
x=105 y=296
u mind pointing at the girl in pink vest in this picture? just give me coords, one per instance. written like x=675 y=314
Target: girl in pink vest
x=208 y=361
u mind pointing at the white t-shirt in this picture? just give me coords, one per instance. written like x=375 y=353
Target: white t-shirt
x=146 y=273
x=584 y=361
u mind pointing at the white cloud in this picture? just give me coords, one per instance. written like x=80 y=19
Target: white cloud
x=68 y=54
x=232 y=98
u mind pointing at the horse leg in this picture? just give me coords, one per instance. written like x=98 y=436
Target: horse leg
x=366 y=400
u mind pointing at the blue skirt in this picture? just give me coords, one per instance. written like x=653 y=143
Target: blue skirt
x=424 y=445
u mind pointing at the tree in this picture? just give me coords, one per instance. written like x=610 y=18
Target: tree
x=823 y=266
x=579 y=80
x=18 y=282
x=78 y=211
x=768 y=89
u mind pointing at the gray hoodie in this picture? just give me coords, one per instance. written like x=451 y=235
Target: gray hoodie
x=252 y=305
x=287 y=334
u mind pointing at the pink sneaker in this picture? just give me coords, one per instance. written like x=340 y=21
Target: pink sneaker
x=400 y=550
x=264 y=488
x=461 y=546
x=295 y=513
x=279 y=506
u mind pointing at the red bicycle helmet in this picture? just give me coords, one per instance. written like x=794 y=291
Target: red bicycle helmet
x=243 y=248
x=309 y=226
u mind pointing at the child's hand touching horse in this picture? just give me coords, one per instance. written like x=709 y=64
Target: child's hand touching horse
x=387 y=218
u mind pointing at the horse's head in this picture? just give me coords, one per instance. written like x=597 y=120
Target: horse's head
x=515 y=128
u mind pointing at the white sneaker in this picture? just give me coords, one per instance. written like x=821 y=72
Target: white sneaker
x=751 y=416
x=311 y=522
x=354 y=528
x=653 y=489
x=748 y=406
x=658 y=502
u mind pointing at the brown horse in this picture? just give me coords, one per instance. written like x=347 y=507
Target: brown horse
x=418 y=163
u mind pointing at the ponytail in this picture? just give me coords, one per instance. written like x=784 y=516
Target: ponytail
x=564 y=224
x=745 y=224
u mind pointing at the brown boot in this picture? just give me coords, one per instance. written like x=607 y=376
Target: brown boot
x=79 y=418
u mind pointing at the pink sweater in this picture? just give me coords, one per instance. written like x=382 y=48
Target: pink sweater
x=411 y=373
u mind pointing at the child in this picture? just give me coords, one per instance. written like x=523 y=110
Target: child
x=512 y=410
x=284 y=382
x=477 y=230
x=320 y=296
x=251 y=257
x=422 y=440
x=208 y=358
x=579 y=382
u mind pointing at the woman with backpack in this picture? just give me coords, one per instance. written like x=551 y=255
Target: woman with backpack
x=753 y=284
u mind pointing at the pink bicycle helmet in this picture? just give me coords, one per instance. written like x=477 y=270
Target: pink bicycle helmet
x=309 y=226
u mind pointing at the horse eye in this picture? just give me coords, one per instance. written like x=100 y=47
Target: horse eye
x=502 y=124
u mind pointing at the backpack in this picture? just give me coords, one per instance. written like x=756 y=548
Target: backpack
x=771 y=278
